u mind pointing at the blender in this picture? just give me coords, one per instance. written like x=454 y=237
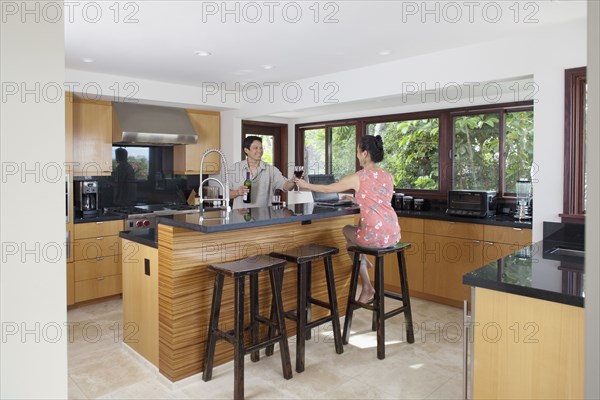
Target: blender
x=523 y=199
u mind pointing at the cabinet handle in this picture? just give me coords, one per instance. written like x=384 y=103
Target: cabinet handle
x=517 y=229
x=489 y=243
x=100 y=278
x=476 y=241
x=99 y=258
x=100 y=238
x=99 y=222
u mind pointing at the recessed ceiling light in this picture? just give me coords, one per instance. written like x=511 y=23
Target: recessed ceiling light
x=202 y=53
x=87 y=60
x=267 y=66
x=385 y=53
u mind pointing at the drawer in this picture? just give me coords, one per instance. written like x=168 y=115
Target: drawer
x=96 y=288
x=96 y=268
x=411 y=224
x=453 y=229
x=503 y=234
x=95 y=229
x=102 y=246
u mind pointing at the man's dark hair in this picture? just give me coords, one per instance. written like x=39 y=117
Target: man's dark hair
x=248 y=141
x=121 y=154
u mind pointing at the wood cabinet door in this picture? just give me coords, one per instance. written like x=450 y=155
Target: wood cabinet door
x=453 y=229
x=187 y=157
x=414 y=264
x=96 y=229
x=92 y=138
x=446 y=260
x=519 y=237
x=140 y=299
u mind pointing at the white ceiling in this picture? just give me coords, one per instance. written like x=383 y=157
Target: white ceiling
x=159 y=39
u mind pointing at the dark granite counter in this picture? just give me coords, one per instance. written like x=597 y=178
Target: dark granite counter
x=101 y=217
x=213 y=221
x=534 y=272
x=499 y=220
x=147 y=237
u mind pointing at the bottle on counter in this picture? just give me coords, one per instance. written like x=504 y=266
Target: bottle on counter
x=248 y=183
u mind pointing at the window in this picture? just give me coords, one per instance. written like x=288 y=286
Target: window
x=411 y=151
x=138 y=158
x=575 y=184
x=329 y=150
x=274 y=141
x=428 y=153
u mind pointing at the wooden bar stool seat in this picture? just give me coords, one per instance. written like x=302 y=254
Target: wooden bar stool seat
x=303 y=256
x=379 y=314
x=238 y=270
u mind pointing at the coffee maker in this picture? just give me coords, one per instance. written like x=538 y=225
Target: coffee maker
x=86 y=199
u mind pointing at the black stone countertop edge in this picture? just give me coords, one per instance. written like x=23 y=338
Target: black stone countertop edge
x=524 y=291
x=105 y=217
x=498 y=220
x=147 y=237
x=177 y=221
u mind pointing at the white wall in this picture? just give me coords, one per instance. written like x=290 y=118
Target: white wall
x=33 y=269
x=592 y=227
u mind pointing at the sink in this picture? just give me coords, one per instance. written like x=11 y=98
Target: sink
x=560 y=251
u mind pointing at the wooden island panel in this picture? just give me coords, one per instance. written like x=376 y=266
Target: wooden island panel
x=185 y=285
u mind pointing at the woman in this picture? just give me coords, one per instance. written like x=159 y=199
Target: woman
x=374 y=188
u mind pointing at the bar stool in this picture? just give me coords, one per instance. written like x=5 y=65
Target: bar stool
x=303 y=256
x=238 y=270
x=379 y=314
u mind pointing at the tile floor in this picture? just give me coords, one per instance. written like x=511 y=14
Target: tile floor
x=101 y=366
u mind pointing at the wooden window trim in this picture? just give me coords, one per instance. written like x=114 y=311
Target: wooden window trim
x=445 y=145
x=574 y=150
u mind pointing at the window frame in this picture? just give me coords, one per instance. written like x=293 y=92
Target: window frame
x=445 y=140
x=574 y=146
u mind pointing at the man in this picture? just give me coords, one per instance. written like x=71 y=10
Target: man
x=265 y=178
x=124 y=179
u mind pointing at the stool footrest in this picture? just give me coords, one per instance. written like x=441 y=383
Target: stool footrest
x=396 y=311
x=319 y=303
x=229 y=335
x=265 y=321
x=262 y=344
x=393 y=295
x=314 y=324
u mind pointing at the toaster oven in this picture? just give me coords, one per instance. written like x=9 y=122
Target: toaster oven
x=471 y=203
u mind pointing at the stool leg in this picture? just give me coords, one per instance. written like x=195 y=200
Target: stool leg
x=351 y=295
x=283 y=343
x=337 y=334
x=272 y=331
x=410 y=336
x=300 y=316
x=255 y=356
x=380 y=308
x=307 y=335
x=238 y=351
x=211 y=340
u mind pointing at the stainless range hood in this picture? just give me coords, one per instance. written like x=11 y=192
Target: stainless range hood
x=151 y=125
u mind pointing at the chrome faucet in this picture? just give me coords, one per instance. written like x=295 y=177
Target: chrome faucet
x=224 y=187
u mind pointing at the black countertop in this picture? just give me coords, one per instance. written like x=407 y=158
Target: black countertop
x=499 y=220
x=534 y=272
x=244 y=218
x=147 y=237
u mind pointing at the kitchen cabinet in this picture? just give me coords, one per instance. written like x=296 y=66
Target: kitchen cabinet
x=140 y=299
x=92 y=137
x=97 y=255
x=207 y=125
x=412 y=232
x=526 y=348
x=500 y=241
x=450 y=250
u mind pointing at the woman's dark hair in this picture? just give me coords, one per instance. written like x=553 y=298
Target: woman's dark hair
x=373 y=145
x=248 y=141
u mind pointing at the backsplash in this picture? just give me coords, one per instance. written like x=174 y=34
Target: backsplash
x=155 y=189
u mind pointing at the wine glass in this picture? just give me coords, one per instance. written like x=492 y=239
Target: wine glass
x=298 y=172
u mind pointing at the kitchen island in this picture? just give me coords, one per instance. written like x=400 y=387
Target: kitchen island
x=186 y=244
x=528 y=325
